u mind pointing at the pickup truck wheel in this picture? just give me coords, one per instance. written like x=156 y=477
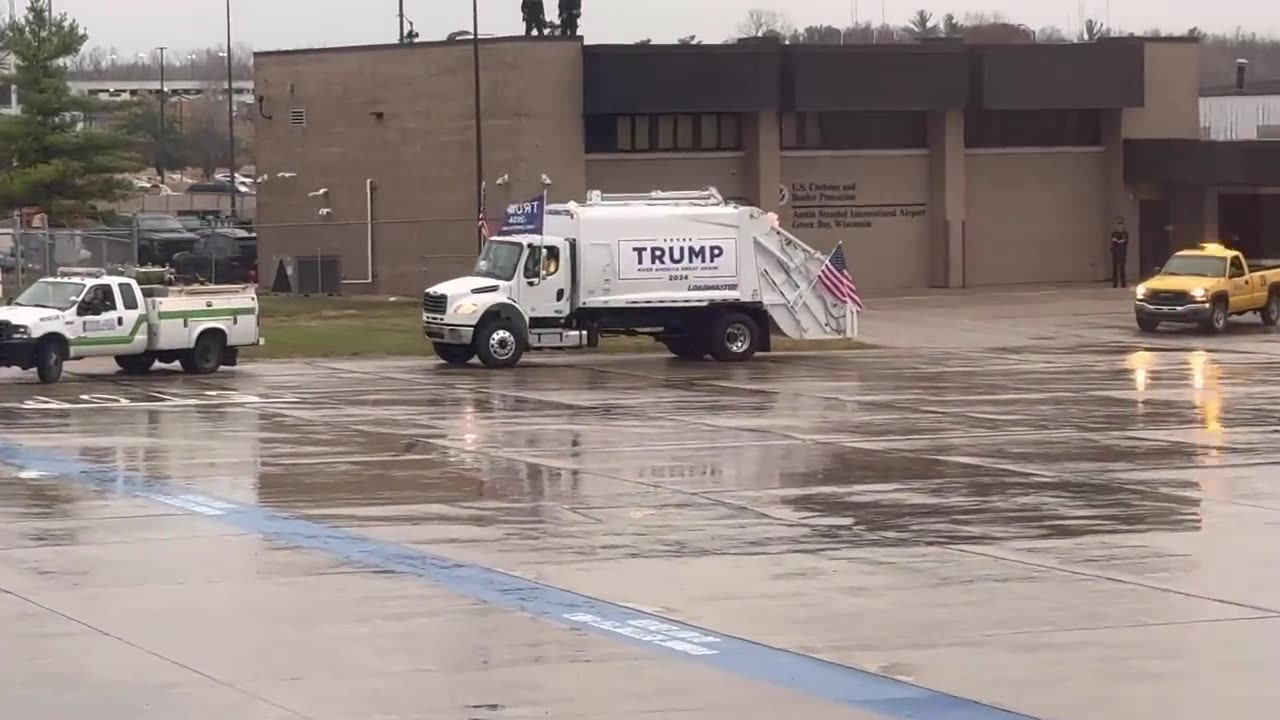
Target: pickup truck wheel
x=49 y=358
x=1271 y=311
x=1148 y=325
x=498 y=344
x=734 y=337
x=206 y=357
x=136 y=364
x=1217 y=321
x=453 y=354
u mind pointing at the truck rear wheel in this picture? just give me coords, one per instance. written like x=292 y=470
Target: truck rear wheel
x=49 y=358
x=136 y=364
x=206 y=357
x=734 y=337
x=498 y=344
x=1271 y=311
x=453 y=354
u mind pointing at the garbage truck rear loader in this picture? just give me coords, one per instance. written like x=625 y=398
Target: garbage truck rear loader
x=695 y=273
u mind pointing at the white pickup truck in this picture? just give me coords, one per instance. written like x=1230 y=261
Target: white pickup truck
x=83 y=313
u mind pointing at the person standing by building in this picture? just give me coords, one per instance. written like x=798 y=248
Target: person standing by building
x=1119 y=254
x=535 y=17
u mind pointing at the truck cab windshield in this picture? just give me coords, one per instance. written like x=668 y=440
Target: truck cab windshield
x=54 y=294
x=1196 y=266
x=499 y=260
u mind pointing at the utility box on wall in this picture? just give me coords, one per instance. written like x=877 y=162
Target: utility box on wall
x=308 y=275
x=318 y=275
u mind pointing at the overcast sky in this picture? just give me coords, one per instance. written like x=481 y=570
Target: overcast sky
x=133 y=25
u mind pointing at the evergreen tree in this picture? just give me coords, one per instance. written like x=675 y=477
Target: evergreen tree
x=47 y=157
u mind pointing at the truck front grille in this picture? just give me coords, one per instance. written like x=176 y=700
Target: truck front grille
x=435 y=303
x=6 y=329
x=1168 y=298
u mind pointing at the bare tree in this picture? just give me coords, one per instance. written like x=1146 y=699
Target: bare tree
x=1093 y=30
x=951 y=26
x=765 y=23
x=817 y=35
x=1052 y=34
x=688 y=40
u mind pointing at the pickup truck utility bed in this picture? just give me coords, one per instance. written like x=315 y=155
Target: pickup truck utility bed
x=1207 y=285
x=84 y=312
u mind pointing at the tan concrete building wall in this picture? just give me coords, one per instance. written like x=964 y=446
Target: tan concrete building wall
x=875 y=203
x=1171 y=108
x=420 y=152
x=1036 y=217
x=641 y=173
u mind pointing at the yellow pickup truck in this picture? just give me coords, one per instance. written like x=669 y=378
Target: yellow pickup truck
x=1207 y=285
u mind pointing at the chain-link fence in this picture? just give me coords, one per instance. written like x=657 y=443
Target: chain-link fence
x=28 y=255
x=329 y=257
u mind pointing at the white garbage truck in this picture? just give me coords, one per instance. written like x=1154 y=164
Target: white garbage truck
x=698 y=274
x=84 y=312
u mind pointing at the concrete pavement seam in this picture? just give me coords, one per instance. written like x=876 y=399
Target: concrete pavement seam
x=152 y=653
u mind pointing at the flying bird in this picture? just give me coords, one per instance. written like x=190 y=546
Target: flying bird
x=319 y=193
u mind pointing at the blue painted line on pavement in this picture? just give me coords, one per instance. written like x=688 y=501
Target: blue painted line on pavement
x=801 y=673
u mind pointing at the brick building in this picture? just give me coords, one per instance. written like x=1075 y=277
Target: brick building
x=940 y=164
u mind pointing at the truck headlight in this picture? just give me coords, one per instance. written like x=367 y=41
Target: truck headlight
x=1199 y=294
x=1140 y=291
x=466 y=308
x=20 y=331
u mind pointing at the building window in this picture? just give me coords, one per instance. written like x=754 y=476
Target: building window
x=1032 y=128
x=875 y=130
x=662 y=133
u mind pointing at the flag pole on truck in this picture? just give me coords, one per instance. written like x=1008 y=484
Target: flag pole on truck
x=836 y=280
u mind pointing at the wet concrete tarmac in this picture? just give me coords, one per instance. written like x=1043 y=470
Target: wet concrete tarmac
x=1090 y=530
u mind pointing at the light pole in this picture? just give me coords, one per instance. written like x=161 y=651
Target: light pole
x=401 y=22
x=163 y=140
x=231 y=120
x=475 y=66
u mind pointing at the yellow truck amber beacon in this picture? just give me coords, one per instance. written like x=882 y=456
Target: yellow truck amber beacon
x=1207 y=285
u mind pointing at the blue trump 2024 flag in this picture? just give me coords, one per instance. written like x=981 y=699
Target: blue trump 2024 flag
x=525 y=217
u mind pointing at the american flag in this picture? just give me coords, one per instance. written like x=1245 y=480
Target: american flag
x=483 y=221
x=835 y=277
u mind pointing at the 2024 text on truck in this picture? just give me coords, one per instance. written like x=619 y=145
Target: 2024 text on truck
x=1207 y=285
x=701 y=276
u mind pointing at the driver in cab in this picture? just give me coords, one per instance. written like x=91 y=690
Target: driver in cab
x=95 y=300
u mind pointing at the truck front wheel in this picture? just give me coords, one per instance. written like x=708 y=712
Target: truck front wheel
x=1218 y=313
x=1271 y=311
x=498 y=344
x=453 y=354
x=136 y=364
x=49 y=358
x=206 y=357
x=734 y=337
